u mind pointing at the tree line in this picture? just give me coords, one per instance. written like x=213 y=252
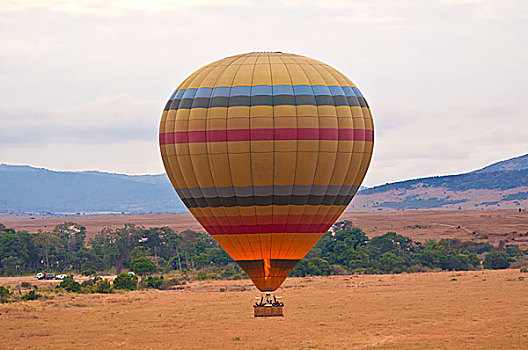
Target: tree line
x=344 y=251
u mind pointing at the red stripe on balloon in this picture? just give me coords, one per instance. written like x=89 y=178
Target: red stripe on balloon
x=270 y=134
x=266 y=228
x=266 y=219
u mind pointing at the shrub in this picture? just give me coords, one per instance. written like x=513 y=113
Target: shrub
x=31 y=295
x=4 y=293
x=25 y=285
x=524 y=269
x=126 y=282
x=70 y=285
x=102 y=286
x=496 y=261
x=143 y=266
x=155 y=282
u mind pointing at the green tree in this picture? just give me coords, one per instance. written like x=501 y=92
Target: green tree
x=143 y=266
x=497 y=261
x=48 y=244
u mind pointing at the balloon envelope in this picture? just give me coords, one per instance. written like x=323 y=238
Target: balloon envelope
x=266 y=150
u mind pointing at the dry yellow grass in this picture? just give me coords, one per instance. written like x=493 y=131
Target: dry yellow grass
x=478 y=310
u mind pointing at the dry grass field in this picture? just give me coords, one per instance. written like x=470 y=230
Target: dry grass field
x=443 y=310
x=478 y=225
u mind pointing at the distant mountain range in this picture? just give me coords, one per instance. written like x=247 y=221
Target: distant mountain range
x=24 y=189
x=29 y=190
x=500 y=185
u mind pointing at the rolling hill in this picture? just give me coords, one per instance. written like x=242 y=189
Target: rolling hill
x=502 y=185
x=29 y=190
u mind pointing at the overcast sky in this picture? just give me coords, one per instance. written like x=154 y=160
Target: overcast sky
x=83 y=83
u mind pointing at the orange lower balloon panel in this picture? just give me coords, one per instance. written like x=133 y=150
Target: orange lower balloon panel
x=267 y=274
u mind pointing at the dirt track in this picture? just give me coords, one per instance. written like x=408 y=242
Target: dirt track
x=478 y=225
x=444 y=310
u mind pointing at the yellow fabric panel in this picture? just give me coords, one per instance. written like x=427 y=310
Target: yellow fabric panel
x=237 y=112
x=284 y=111
x=262 y=146
x=328 y=146
x=285 y=146
x=216 y=124
x=202 y=172
x=313 y=75
x=240 y=172
x=185 y=165
x=262 y=59
x=328 y=111
x=353 y=168
x=182 y=149
x=238 y=123
x=328 y=77
x=305 y=170
x=347 y=112
x=198 y=148
x=238 y=147
x=218 y=113
x=298 y=77
x=262 y=168
x=280 y=74
x=308 y=146
x=328 y=123
x=345 y=123
x=228 y=75
x=261 y=75
x=307 y=111
x=220 y=168
x=260 y=111
x=325 y=168
x=284 y=170
x=180 y=125
x=198 y=113
x=171 y=116
x=217 y=147
x=176 y=174
x=244 y=75
x=196 y=124
x=285 y=122
x=261 y=122
x=308 y=122
x=341 y=168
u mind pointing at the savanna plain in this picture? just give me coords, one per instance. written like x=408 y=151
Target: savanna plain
x=438 y=310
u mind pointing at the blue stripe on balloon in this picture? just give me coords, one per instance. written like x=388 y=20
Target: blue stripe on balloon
x=267 y=90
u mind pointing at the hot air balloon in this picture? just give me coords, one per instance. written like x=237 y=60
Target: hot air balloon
x=266 y=149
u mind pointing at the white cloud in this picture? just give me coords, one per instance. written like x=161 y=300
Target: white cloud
x=445 y=79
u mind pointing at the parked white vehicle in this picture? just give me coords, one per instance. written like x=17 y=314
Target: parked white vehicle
x=40 y=276
x=61 y=277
